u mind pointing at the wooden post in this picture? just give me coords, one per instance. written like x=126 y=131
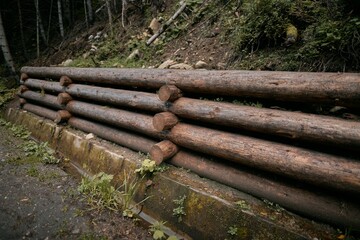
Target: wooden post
x=169 y=93
x=162 y=151
x=164 y=121
x=65 y=81
x=64 y=98
x=62 y=115
x=24 y=77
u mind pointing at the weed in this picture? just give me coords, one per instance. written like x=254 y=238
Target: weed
x=33 y=171
x=242 y=205
x=40 y=150
x=149 y=166
x=246 y=103
x=179 y=211
x=157 y=228
x=233 y=231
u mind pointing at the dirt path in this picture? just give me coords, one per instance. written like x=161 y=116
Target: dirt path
x=40 y=201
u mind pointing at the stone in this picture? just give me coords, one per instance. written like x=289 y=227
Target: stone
x=89 y=136
x=221 y=66
x=134 y=55
x=167 y=64
x=154 y=25
x=181 y=66
x=201 y=64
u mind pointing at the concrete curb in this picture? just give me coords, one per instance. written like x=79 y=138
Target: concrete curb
x=210 y=208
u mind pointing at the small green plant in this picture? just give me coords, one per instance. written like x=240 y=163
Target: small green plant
x=33 y=171
x=233 y=231
x=157 y=228
x=179 y=211
x=242 y=205
x=149 y=166
x=40 y=150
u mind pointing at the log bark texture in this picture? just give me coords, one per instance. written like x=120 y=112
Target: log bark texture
x=302 y=126
x=53 y=87
x=169 y=93
x=133 y=99
x=333 y=88
x=327 y=208
x=44 y=99
x=305 y=165
x=162 y=151
x=164 y=121
x=41 y=111
x=129 y=120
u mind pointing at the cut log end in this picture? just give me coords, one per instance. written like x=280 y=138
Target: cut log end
x=24 y=77
x=162 y=151
x=65 y=81
x=164 y=121
x=169 y=93
x=62 y=116
x=22 y=101
x=23 y=88
x=64 y=98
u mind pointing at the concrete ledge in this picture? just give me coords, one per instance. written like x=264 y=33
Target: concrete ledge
x=210 y=208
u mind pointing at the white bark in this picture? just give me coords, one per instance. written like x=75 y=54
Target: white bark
x=5 y=47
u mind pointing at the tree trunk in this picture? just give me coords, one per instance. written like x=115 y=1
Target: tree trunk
x=41 y=111
x=61 y=24
x=53 y=87
x=90 y=13
x=39 y=22
x=21 y=30
x=5 y=48
x=108 y=6
x=49 y=23
x=44 y=99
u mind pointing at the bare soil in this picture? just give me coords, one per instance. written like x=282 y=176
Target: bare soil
x=40 y=201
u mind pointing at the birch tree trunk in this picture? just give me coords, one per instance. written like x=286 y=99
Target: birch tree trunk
x=90 y=13
x=61 y=24
x=5 y=48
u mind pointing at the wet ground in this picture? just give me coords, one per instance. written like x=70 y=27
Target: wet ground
x=39 y=201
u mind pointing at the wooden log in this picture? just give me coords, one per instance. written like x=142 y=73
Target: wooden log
x=305 y=165
x=65 y=81
x=23 y=88
x=294 y=125
x=24 y=77
x=47 y=86
x=41 y=111
x=63 y=98
x=163 y=150
x=43 y=99
x=330 y=88
x=164 y=121
x=62 y=116
x=132 y=99
x=121 y=118
x=169 y=93
x=313 y=203
x=22 y=101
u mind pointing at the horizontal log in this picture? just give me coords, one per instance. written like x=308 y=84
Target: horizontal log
x=47 y=86
x=65 y=81
x=327 y=208
x=305 y=165
x=164 y=121
x=41 y=111
x=140 y=100
x=62 y=116
x=129 y=120
x=63 y=98
x=294 y=125
x=43 y=99
x=169 y=93
x=162 y=151
x=333 y=88
x=122 y=137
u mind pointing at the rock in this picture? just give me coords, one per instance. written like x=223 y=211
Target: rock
x=67 y=62
x=134 y=55
x=181 y=66
x=154 y=25
x=86 y=55
x=76 y=231
x=91 y=37
x=201 y=64
x=167 y=64
x=89 y=136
